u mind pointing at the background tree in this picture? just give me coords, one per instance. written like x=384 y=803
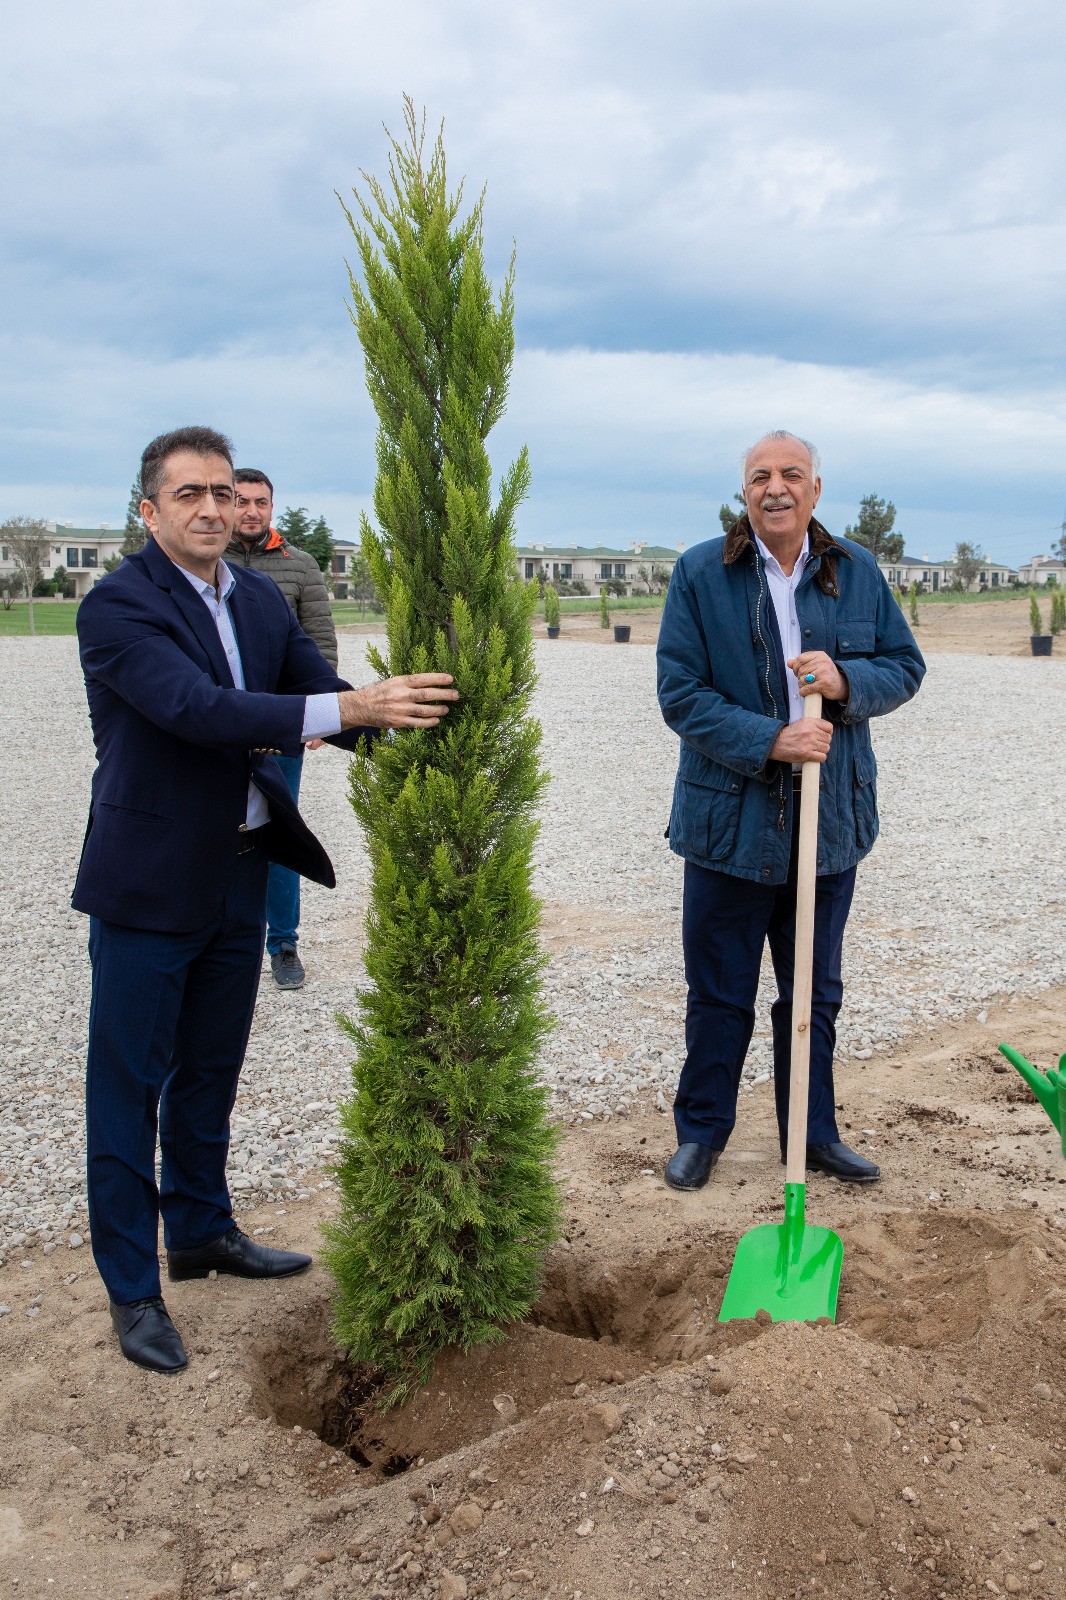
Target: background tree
x=1059 y=548
x=551 y=607
x=1036 y=621
x=914 y=605
x=969 y=559
x=295 y=525
x=728 y=517
x=135 y=534
x=874 y=529
x=361 y=584
x=29 y=541
x=605 y=610
x=319 y=543
x=447 y=1196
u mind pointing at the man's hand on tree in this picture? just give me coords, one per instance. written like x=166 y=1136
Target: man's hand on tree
x=826 y=677
x=808 y=740
x=418 y=700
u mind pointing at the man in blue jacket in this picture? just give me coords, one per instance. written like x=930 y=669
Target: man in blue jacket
x=197 y=676
x=754 y=622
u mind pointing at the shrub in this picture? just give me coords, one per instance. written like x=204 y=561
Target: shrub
x=447 y=1199
x=551 y=607
x=605 y=613
x=1036 y=621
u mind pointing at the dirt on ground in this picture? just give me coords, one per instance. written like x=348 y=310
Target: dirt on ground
x=621 y=1442
x=976 y=627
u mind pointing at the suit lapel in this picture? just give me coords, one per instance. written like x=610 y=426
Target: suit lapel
x=166 y=576
x=248 y=625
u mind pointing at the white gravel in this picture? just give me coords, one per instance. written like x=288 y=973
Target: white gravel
x=963 y=901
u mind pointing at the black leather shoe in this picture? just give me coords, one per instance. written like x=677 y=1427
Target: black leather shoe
x=690 y=1166
x=237 y=1254
x=147 y=1335
x=840 y=1162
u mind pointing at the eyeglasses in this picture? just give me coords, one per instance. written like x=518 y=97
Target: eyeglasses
x=191 y=494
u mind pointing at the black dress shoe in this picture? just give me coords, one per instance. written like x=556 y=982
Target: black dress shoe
x=690 y=1166
x=237 y=1254
x=147 y=1335
x=840 y=1162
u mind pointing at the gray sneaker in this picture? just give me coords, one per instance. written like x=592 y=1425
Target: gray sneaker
x=287 y=967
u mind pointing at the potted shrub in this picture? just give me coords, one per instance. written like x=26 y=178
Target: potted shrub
x=1039 y=642
x=605 y=615
x=551 y=611
x=1058 y=610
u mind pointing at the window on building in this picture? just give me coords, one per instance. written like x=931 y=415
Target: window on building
x=619 y=569
x=72 y=556
x=340 y=591
x=605 y=569
x=88 y=557
x=337 y=566
x=566 y=569
x=3 y=552
x=529 y=569
x=995 y=578
x=555 y=569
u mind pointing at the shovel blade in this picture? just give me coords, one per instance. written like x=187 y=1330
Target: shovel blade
x=790 y=1269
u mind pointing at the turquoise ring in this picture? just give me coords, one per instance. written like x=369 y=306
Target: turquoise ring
x=808 y=677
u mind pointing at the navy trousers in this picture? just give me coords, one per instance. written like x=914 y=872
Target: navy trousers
x=168 y=1028
x=725 y=923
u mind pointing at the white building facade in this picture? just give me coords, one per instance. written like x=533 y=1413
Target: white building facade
x=81 y=552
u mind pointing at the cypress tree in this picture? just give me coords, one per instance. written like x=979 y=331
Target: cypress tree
x=605 y=610
x=447 y=1200
x=551 y=606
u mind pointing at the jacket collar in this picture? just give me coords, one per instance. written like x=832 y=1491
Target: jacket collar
x=270 y=540
x=741 y=539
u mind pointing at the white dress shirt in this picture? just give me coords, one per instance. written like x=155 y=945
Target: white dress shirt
x=322 y=715
x=783 y=595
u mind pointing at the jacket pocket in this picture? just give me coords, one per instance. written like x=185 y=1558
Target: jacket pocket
x=130 y=813
x=706 y=811
x=864 y=799
x=856 y=636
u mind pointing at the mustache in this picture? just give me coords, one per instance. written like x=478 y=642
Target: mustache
x=778 y=502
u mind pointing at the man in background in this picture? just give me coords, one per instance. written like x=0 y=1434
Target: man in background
x=256 y=543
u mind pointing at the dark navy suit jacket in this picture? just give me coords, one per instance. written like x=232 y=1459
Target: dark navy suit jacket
x=176 y=742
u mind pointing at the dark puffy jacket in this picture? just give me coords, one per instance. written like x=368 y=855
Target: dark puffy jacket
x=300 y=580
x=722 y=688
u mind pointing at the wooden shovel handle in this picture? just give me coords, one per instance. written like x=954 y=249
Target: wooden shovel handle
x=803 y=969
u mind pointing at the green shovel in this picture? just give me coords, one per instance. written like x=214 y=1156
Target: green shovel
x=790 y=1269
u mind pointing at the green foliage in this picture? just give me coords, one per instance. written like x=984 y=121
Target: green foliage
x=1058 y=611
x=728 y=517
x=914 y=605
x=898 y=592
x=874 y=529
x=297 y=529
x=551 y=607
x=605 y=612
x=1036 y=621
x=295 y=525
x=135 y=534
x=447 y=1196
x=968 y=561
x=63 y=584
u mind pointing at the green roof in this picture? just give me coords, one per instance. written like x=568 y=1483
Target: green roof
x=577 y=552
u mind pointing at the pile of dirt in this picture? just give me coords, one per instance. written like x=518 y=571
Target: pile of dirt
x=622 y=1442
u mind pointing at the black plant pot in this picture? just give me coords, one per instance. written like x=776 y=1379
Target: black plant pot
x=1040 y=643
x=553 y=633
x=621 y=632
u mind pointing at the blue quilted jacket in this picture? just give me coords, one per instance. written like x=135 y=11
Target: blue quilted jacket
x=722 y=689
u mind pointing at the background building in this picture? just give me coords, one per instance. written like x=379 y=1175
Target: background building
x=81 y=552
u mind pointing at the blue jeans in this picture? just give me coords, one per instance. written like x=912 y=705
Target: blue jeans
x=283 y=886
x=168 y=1027
x=725 y=923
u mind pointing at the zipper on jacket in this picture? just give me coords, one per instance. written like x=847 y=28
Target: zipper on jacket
x=769 y=685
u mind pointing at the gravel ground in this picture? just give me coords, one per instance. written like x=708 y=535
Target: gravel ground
x=963 y=900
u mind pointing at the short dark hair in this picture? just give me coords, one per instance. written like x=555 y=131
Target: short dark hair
x=201 y=441
x=252 y=475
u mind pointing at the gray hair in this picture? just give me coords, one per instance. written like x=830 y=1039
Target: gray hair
x=780 y=433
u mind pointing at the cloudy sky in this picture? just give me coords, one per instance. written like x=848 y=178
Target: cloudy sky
x=730 y=215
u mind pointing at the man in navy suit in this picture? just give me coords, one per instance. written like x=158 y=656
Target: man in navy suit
x=197 y=676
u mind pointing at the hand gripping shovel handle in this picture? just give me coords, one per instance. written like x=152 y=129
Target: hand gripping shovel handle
x=806 y=865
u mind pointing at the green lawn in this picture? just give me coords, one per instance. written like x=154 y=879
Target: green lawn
x=49 y=616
